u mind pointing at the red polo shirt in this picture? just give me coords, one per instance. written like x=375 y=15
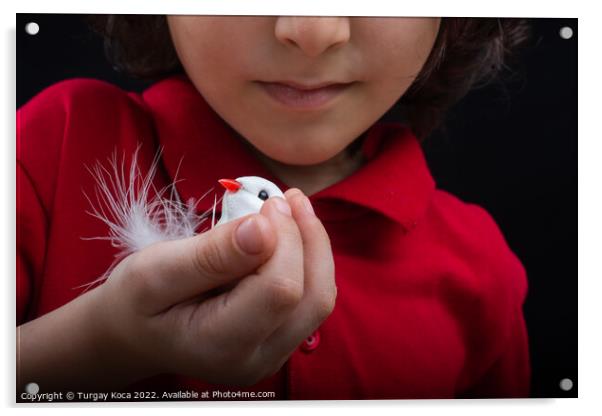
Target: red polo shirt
x=429 y=295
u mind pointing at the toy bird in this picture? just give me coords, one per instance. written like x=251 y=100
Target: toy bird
x=136 y=219
x=245 y=196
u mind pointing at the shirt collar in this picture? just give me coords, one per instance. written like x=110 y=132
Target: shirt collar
x=201 y=148
x=395 y=180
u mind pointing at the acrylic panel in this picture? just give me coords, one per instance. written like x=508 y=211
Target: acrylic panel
x=295 y=208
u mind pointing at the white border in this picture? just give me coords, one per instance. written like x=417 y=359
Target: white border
x=551 y=8
x=590 y=186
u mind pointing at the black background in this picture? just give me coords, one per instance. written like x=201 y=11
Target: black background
x=510 y=148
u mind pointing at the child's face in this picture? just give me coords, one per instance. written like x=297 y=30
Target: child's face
x=301 y=89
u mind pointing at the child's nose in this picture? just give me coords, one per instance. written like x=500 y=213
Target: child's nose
x=312 y=35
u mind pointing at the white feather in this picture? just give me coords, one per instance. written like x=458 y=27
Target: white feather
x=136 y=214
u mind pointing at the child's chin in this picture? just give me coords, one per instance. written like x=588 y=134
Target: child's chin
x=305 y=158
x=303 y=155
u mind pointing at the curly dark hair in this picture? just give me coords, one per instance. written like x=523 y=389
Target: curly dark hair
x=467 y=52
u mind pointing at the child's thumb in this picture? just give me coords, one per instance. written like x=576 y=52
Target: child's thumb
x=173 y=272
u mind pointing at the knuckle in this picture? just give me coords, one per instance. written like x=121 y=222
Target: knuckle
x=137 y=270
x=283 y=293
x=290 y=232
x=325 y=305
x=139 y=280
x=209 y=259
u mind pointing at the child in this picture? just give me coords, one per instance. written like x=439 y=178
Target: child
x=428 y=297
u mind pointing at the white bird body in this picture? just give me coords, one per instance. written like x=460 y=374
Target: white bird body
x=247 y=198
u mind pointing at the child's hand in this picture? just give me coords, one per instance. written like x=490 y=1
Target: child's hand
x=161 y=312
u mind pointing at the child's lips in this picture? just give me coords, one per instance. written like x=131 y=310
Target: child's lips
x=303 y=97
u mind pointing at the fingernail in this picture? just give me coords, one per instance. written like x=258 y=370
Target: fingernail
x=307 y=206
x=282 y=206
x=248 y=236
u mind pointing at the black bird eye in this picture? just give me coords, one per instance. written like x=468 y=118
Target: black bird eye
x=263 y=195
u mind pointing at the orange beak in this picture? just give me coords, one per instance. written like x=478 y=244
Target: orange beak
x=230 y=184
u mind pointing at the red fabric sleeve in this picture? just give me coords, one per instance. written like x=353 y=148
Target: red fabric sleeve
x=503 y=347
x=509 y=376
x=40 y=128
x=61 y=131
x=31 y=241
x=489 y=304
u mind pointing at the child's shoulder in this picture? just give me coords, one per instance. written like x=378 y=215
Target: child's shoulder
x=77 y=101
x=474 y=236
x=76 y=122
x=465 y=217
x=78 y=108
x=78 y=95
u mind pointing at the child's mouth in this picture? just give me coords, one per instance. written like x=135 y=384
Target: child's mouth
x=303 y=97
